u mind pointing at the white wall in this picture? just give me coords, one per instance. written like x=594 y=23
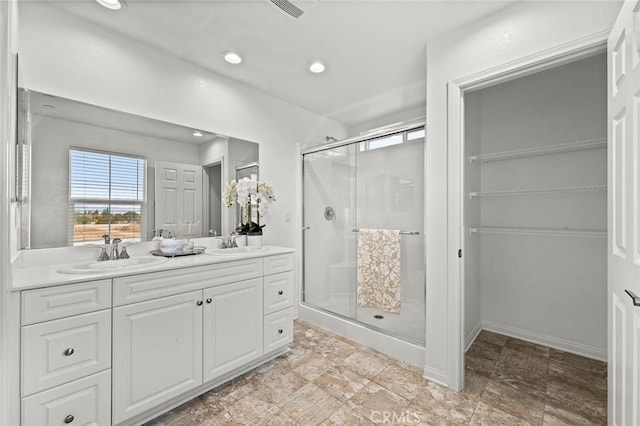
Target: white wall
x=9 y=302
x=551 y=290
x=64 y=56
x=524 y=29
x=51 y=140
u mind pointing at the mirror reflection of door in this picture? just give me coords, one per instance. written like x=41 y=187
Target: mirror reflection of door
x=178 y=198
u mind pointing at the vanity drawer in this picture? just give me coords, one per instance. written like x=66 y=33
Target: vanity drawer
x=138 y=288
x=278 y=291
x=83 y=402
x=278 y=263
x=278 y=330
x=64 y=301
x=56 y=352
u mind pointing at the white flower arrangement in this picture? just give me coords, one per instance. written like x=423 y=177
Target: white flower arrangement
x=244 y=192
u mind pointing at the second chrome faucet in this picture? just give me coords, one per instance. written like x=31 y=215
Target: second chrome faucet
x=112 y=245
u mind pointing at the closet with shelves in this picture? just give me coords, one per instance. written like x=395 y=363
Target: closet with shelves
x=535 y=208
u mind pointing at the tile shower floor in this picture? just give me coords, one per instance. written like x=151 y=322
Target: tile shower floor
x=329 y=380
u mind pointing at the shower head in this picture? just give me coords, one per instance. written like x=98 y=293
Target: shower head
x=330 y=139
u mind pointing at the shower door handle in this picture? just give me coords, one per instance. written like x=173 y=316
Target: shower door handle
x=304 y=228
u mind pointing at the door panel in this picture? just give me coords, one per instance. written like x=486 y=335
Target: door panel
x=624 y=233
x=178 y=196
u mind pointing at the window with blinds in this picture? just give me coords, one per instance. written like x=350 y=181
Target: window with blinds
x=107 y=196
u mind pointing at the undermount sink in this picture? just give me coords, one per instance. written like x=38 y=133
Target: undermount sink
x=112 y=265
x=236 y=250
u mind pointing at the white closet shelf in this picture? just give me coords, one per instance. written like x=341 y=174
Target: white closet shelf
x=543 y=150
x=538 y=191
x=541 y=231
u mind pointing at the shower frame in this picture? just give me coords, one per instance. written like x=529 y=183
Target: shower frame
x=367 y=334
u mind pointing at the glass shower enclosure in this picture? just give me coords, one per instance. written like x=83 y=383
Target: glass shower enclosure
x=367 y=184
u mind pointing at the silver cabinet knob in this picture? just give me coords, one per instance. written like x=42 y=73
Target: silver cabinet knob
x=69 y=419
x=209 y=300
x=281 y=292
x=280 y=331
x=69 y=351
x=199 y=303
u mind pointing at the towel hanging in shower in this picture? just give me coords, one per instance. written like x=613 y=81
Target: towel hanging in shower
x=379 y=269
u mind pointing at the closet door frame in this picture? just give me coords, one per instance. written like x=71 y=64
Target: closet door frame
x=456 y=90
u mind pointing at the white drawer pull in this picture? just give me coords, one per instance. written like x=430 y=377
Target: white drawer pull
x=69 y=419
x=69 y=352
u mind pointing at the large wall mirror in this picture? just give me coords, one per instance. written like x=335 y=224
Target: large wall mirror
x=86 y=171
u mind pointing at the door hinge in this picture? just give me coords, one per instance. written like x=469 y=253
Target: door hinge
x=460 y=253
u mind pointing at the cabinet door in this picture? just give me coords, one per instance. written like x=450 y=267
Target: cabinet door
x=232 y=326
x=157 y=352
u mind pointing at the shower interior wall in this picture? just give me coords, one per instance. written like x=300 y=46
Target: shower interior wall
x=545 y=289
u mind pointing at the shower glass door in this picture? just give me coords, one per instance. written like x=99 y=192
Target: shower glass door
x=375 y=184
x=329 y=217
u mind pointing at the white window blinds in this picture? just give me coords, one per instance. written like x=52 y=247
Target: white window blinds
x=107 y=194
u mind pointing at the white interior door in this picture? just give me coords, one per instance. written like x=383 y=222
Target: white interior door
x=623 y=51
x=178 y=196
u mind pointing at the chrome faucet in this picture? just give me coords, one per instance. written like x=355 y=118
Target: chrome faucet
x=230 y=240
x=114 y=248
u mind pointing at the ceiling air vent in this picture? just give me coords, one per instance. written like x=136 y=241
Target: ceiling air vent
x=288 y=8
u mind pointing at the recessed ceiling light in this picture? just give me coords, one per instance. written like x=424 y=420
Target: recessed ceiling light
x=110 y=4
x=197 y=134
x=316 y=67
x=232 y=57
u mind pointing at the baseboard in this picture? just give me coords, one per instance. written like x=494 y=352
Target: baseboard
x=544 y=340
x=468 y=341
x=438 y=376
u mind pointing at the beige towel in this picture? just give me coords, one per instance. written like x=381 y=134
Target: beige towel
x=379 y=269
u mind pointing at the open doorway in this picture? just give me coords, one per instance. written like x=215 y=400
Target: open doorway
x=527 y=180
x=535 y=208
x=213 y=191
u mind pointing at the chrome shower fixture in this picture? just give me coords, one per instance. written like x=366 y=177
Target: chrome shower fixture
x=330 y=139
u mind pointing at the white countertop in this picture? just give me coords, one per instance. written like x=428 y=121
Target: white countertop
x=28 y=274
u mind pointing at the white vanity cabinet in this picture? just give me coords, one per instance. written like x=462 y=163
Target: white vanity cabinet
x=169 y=341
x=122 y=350
x=66 y=354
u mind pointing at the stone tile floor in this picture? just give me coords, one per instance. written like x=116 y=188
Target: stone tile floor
x=328 y=380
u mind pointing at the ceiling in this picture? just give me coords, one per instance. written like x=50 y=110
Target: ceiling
x=44 y=105
x=374 y=50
